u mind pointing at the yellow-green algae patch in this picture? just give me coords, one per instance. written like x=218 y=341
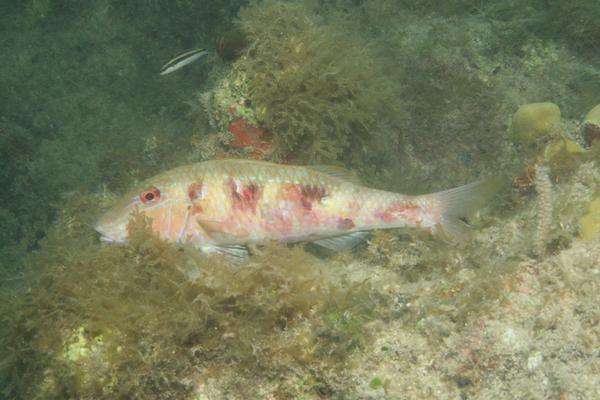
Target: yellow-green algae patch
x=153 y=320
x=589 y=224
x=593 y=116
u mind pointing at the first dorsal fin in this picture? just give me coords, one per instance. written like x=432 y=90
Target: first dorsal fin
x=336 y=172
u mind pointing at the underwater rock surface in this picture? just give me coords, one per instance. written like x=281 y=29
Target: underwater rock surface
x=411 y=96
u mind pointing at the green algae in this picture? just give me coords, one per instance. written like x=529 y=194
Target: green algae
x=376 y=383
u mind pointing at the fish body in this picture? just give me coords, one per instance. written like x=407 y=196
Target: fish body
x=215 y=204
x=182 y=60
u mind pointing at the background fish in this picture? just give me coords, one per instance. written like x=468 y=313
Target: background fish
x=218 y=205
x=182 y=60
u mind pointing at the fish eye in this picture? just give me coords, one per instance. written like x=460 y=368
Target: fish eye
x=150 y=195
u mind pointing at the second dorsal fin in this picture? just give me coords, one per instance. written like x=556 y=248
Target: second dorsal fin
x=337 y=172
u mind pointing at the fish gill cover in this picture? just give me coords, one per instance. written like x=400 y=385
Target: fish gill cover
x=413 y=96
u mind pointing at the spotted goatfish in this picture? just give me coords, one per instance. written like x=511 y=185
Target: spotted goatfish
x=223 y=205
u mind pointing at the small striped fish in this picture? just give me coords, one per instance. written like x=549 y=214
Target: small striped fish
x=222 y=205
x=182 y=60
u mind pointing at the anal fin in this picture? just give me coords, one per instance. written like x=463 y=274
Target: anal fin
x=342 y=242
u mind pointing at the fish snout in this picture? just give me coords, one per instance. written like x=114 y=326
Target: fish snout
x=111 y=233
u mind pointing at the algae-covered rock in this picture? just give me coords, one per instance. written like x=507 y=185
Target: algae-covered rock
x=316 y=86
x=143 y=320
x=562 y=153
x=303 y=90
x=591 y=126
x=589 y=224
x=231 y=44
x=562 y=144
x=532 y=121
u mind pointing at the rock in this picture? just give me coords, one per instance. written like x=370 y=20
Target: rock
x=591 y=126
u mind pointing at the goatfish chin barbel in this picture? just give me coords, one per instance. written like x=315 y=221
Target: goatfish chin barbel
x=223 y=205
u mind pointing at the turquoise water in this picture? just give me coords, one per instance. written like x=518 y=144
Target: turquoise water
x=413 y=97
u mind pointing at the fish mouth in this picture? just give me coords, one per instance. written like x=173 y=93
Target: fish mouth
x=105 y=237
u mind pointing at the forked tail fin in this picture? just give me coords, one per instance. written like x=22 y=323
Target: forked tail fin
x=459 y=203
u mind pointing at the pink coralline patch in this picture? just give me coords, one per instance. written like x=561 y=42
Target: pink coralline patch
x=246 y=135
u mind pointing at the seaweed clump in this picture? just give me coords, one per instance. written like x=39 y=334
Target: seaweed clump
x=317 y=87
x=152 y=320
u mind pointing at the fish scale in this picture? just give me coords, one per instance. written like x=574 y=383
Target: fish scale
x=222 y=203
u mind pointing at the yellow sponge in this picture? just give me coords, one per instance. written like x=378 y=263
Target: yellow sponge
x=593 y=116
x=532 y=121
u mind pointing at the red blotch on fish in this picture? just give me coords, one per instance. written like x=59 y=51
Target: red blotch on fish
x=244 y=197
x=195 y=191
x=406 y=210
x=304 y=195
x=292 y=193
x=345 y=224
x=311 y=194
x=247 y=135
x=195 y=195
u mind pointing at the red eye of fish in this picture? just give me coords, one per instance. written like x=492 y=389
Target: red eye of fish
x=150 y=195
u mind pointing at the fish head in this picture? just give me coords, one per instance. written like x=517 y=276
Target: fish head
x=161 y=200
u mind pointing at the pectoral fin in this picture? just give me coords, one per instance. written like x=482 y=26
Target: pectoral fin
x=216 y=230
x=210 y=226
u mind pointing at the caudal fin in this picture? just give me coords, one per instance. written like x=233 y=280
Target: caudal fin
x=460 y=203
